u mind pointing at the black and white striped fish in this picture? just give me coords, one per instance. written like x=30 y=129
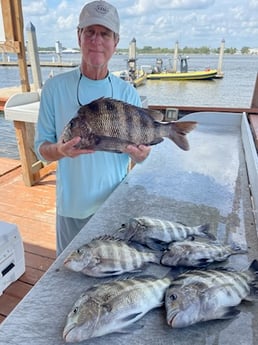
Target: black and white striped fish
x=113 y=307
x=198 y=254
x=111 y=125
x=108 y=256
x=157 y=233
x=202 y=295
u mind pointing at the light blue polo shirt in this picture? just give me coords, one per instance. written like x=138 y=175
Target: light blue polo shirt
x=84 y=182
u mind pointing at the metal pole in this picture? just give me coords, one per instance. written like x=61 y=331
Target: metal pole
x=34 y=56
x=175 y=58
x=221 y=54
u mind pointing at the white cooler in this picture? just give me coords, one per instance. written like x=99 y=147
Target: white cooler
x=12 y=261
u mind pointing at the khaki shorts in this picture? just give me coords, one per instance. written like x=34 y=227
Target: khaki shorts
x=66 y=229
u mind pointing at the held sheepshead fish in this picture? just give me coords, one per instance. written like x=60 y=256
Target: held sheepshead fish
x=157 y=233
x=198 y=254
x=201 y=295
x=108 y=256
x=113 y=307
x=107 y=124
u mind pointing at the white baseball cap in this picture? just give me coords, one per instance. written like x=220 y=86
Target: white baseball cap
x=99 y=13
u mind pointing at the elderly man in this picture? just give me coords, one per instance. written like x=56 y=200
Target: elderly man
x=84 y=178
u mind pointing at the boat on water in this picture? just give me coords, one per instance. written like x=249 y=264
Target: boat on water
x=161 y=72
x=132 y=74
x=158 y=72
x=136 y=78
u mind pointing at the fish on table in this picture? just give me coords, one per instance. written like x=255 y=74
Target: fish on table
x=203 y=295
x=157 y=234
x=110 y=125
x=198 y=254
x=114 y=307
x=108 y=256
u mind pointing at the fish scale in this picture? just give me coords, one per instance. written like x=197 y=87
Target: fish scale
x=198 y=254
x=108 y=256
x=157 y=234
x=202 y=295
x=120 y=303
x=111 y=125
x=218 y=277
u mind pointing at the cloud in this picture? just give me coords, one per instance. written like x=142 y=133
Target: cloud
x=156 y=23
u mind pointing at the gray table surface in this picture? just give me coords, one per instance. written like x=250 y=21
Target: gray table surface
x=206 y=184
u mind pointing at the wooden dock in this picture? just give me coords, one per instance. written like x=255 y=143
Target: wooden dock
x=32 y=209
x=65 y=64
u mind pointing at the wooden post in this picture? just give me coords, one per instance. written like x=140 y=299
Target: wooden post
x=32 y=50
x=14 y=42
x=254 y=103
x=221 y=55
x=174 y=69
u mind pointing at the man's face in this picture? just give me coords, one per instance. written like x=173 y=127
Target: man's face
x=97 y=45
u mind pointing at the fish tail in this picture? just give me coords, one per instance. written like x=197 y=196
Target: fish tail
x=157 y=257
x=152 y=256
x=204 y=231
x=178 y=131
x=236 y=249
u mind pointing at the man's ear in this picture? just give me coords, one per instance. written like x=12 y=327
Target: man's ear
x=117 y=40
x=79 y=31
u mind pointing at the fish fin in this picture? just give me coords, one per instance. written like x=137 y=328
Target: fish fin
x=130 y=329
x=178 y=132
x=253 y=294
x=227 y=313
x=155 y=114
x=132 y=317
x=156 y=244
x=156 y=141
x=237 y=249
x=254 y=267
x=204 y=229
x=157 y=257
x=203 y=262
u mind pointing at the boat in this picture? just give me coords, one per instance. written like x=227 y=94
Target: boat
x=132 y=74
x=160 y=73
x=136 y=78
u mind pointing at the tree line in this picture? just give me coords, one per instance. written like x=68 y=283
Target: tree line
x=158 y=50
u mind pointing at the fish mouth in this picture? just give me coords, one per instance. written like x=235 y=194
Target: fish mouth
x=171 y=319
x=67 y=331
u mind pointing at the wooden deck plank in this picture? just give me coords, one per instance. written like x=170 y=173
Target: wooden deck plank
x=254 y=128
x=32 y=209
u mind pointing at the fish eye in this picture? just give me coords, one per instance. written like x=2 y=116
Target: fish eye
x=173 y=297
x=79 y=251
x=107 y=307
x=75 y=310
x=72 y=123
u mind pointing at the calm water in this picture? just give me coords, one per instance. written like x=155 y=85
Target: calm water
x=234 y=90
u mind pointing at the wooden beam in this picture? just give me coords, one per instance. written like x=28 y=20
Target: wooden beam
x=24 y=151
x=13 y=26
x=254 y=103
x=8 y=20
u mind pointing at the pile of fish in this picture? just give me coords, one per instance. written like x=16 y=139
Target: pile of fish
x=196 y=294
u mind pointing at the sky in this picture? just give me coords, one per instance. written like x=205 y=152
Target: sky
x=155 y=23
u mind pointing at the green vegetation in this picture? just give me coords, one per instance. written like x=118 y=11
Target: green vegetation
x=158 y=50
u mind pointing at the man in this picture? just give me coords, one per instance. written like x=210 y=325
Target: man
x=84 y=178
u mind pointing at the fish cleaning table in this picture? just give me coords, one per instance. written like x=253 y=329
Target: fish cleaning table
x=208 y=184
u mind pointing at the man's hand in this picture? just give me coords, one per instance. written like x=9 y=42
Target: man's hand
x=68 y=149
x=138 y=153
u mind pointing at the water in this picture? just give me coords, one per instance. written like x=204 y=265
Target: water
x=234 y=90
